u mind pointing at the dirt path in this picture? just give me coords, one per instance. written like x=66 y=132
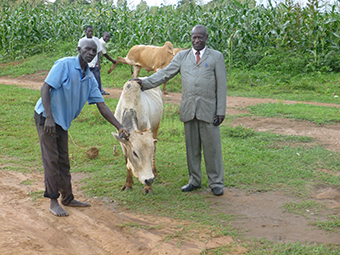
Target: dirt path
x=27 y=227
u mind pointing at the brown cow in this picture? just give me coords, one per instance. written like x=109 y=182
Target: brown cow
x=151 y=58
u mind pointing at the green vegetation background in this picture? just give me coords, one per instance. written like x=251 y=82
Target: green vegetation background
x=283 y=52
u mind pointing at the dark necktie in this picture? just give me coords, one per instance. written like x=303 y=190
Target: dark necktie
x=198 y=56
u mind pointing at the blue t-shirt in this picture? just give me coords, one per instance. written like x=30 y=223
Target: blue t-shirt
x=69 y=92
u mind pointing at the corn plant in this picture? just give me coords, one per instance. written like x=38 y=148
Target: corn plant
x=245 y=34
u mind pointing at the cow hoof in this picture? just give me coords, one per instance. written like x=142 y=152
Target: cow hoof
x=125 y=187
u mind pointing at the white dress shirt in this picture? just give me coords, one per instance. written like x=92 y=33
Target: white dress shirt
x=201 y=53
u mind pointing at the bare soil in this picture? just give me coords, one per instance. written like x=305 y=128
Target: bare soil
x=27 y=227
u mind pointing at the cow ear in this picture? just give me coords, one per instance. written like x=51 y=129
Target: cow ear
x=121 y=140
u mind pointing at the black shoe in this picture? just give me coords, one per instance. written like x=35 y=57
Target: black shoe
x=189 y=187
x=217 y=191
x=105 y=93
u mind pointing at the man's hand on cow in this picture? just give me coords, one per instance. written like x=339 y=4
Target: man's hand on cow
x=124 y=133
x=139 y=81
x=218 y=120
x=113 y=61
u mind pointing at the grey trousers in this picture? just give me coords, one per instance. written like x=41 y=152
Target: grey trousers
x=200 y=134
x=54 y=152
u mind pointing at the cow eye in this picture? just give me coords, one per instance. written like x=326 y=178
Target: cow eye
x=135 y=154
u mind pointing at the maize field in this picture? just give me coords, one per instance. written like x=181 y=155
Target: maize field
x=247 y=36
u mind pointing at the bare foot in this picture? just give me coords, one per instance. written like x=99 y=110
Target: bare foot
x=56 y=209
x=76 y=203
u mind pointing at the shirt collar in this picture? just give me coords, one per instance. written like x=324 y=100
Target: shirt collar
x=201 y=51
x=77 y=66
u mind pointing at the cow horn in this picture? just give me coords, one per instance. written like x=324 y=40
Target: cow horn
x=121 y=140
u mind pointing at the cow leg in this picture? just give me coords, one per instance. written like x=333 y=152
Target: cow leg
x=118 y=60
x=165 y=92
x=154 y=135
x=147 y=188
x=129 y=181
x=136 y=71
x=112 y=67
x=154 y=170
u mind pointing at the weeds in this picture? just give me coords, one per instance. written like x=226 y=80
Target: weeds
x=331 y=225
x=36 y=194
x=304 y=208
x=317 y=114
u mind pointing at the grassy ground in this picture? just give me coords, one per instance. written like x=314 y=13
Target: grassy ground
x=254 y=160
x=316 y=114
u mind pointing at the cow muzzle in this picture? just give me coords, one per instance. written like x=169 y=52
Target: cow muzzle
x=149 y=181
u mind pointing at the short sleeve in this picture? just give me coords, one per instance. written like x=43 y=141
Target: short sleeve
x=58 y=74
x=95 y=96
x=102 y=44
x=99 y=46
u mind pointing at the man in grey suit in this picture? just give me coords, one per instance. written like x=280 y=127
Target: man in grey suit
x=203 y=106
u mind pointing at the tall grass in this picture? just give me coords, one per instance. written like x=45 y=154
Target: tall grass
x=248 y=36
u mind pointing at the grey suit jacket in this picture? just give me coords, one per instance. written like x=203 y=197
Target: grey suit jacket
x=204 y=85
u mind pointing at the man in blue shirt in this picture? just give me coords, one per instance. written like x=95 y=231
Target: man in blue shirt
x=68 y=86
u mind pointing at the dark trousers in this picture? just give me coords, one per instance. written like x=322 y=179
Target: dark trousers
x=96 y=72
x=54 y=152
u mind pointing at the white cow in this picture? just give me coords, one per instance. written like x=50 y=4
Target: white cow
x=140 y=112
